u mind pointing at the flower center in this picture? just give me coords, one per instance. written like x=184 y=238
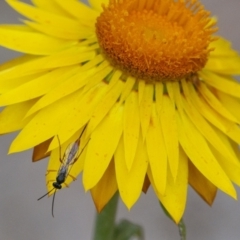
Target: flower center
x=156 y=40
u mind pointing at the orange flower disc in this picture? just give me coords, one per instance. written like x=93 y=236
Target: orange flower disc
x=158 y=40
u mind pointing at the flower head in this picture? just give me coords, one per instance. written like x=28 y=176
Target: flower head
x=165 y=40
x=150 y=82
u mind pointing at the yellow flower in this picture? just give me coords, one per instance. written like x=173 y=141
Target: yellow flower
x=148 y=78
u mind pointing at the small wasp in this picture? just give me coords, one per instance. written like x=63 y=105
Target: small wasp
x=70 y=156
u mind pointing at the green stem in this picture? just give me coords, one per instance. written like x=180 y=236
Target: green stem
x=105 y=221
x=182 y=230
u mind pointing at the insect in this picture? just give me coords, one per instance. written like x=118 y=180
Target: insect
x=70 y=156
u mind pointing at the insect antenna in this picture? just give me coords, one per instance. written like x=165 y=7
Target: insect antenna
x=46 y=194
x=53 y=202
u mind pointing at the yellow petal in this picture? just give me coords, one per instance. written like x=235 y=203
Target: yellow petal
x=206 y=190
x=98 y=77
x=208 y=131
x=128 y=86
x=31 y=42
x=225 y=65
x=235 y=148
x=177 y=96
x=170 y=90
x=230 y=103
x=15 y=61
x=82 y=110
x=131 y=128
x=103 y=70
x=222 y=48
x=105 y=188
x=146 y=108
x=12 y=117
x=204 y=108
x=223 y=83
x=228 y=143
x=159 y=97
x=71 y=56
x=229 y=128
x=72 y=84
x=201 y=156
x=141 y=87
x=215 y=103
x=44 y=125
x=97 y=4
x=38 y=86
x=61 y=33
x=17 y=27
x=79 y=10
x=114 y=78
x=232 y=170
x=170 y=136
x=223 y=59
x=62 y=89
x=105 y=106
x=50 y=6
x=130 y=182
x=8 y=85
x=174 y=199
x=156 y=152
x=40 y=151
x=42 y=16
x=103 y=143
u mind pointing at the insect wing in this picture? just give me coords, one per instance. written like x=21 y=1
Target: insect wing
x=73 y=153
x=70 y=154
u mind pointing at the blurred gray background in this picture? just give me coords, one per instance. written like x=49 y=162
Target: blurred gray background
x=22 y=182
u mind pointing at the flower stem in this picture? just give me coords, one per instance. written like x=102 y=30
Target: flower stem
x=182 y=230
x=105 y=221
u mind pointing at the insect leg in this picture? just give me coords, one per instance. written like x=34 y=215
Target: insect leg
x=60 y=150
x=73 y=178
x=76 y=158
x=48 y=171
x=66 y=185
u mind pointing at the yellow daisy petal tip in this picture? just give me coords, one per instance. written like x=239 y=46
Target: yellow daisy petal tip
x=86 y=186
x=234 y=196
x=13 y=149
x=176 y=216
x=128 y=202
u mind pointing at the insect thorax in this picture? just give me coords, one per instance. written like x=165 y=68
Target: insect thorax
x=61 y=177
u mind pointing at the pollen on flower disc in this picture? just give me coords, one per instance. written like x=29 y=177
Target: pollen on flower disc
x=155 y=40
